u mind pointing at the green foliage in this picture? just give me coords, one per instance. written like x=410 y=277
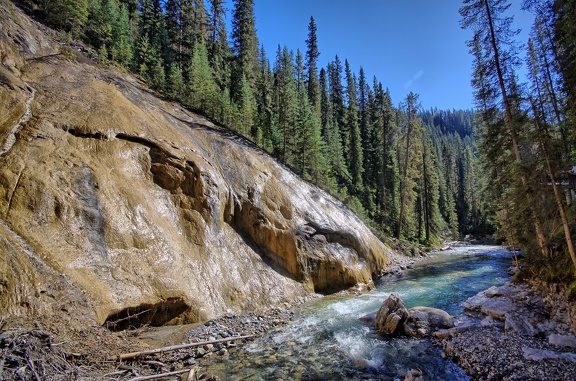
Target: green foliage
x=356 y=155
x=201 y=89
x=70 y=15
x=244 y=44
x=103 y=54
x=175 y=82
x=571 y=292
x=312 y=54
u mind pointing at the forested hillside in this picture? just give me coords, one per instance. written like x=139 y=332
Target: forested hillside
x=414 y=174
x=409 y=172
x=526 y=135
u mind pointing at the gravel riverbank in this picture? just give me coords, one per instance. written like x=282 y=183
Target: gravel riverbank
x=513 y=332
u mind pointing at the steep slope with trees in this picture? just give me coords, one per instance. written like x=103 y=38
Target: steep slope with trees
x=115 y=204
x=331 y=125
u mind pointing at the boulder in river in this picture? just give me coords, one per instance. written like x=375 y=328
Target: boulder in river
x=391 y=315
x=393 y=318
x=423 y=321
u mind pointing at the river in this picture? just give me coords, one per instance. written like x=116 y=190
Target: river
x=327 y=341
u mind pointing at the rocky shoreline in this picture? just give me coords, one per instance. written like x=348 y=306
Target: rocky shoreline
x=513 y=332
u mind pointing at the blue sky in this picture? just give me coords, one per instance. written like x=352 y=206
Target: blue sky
x=409 y=45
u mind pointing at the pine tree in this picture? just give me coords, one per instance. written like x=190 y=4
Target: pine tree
x=336 y=169
x=264 y=84
x=408 y=161
x=356 y=157
x=367 y=137
x=175 y=82
x=544 y=73
x=219 y=52
x=565 y=38
x=337 y=103
x=122 y=42
x=494 y=79
x=102 y=15
x=152 y=22
x=175 y=21
x=312 y=55
x=201 y=85
x=430 y=193
x=149 y=63
x=285 y=103
x=383 y=124
x=71 y=15
x=245 y=45
x=247 y=108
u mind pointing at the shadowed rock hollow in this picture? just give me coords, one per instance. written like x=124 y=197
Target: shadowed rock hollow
x=115 y=203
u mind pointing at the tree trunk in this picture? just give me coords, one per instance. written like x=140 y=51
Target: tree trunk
x=557 y=195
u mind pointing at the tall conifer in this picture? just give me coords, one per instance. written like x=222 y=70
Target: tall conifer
x=312 y=55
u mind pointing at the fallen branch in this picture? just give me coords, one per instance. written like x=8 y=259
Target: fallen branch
x=162 y=375
x=133 y=355
x=192 y=374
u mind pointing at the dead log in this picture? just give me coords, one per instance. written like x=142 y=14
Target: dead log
x=134 y=355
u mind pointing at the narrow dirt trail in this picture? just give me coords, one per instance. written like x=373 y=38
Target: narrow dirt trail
x=11 y=139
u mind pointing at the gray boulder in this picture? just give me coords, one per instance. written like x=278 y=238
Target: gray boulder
x=423 y=321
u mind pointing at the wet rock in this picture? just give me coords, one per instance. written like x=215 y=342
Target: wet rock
x=423 y=321
x=369 y=317
x=518 y=335
x=391 y=315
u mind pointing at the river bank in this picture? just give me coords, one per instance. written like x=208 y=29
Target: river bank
x=514 y=332
x=325 y=340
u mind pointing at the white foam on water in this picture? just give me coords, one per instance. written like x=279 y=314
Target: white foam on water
x=355 y=342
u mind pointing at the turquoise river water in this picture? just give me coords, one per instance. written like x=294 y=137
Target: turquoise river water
x=327 y=341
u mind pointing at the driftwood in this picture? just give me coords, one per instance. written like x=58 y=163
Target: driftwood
x=134 y=355
x=162 y=375
x=192 y=375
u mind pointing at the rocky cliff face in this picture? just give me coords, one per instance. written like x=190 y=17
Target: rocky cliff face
x=114 y=202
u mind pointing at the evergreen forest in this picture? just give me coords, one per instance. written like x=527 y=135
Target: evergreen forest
x=421 y=176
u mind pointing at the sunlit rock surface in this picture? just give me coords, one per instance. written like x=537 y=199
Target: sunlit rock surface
x=423 y=321
x=114 y=202
x=392 y=315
